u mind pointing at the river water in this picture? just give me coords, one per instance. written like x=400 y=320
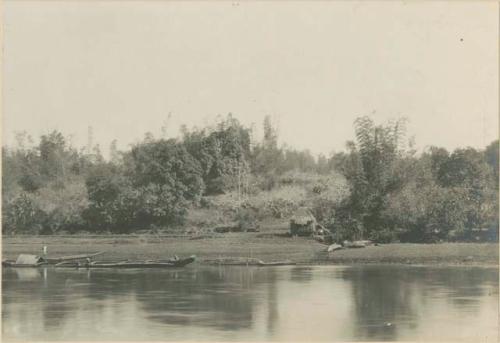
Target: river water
x=299 y=303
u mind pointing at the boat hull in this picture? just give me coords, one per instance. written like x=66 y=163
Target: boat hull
x=13 y=264
x=73 y=258
x=278 y=263
x=173 y=263
x=247 y=262
x=129 y=264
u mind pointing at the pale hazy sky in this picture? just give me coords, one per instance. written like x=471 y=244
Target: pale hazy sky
x=122 y=67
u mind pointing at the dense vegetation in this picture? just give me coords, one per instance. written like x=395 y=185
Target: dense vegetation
x=379 y=188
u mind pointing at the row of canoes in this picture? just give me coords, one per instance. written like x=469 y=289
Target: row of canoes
x=171 y=263
x=85 y=261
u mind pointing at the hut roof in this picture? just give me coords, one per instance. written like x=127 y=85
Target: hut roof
x=302 y=217
x=28 y=259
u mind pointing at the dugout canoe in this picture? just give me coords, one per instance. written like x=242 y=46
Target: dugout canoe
x=170 y=263
x=56 y=260
x=276 y=263
x=243 y=261
x=29 y=260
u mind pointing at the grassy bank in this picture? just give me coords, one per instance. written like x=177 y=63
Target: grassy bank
x=265 y=247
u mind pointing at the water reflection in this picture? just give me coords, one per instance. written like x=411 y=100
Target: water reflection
x=389 y=302
x=244 y=303
x=29 y=274
x=381 y=306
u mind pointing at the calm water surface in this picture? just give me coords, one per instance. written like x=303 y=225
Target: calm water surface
x=299 y=303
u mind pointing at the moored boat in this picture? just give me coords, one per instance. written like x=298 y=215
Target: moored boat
x=170 y=263
x=25 y=261
x=29 y=260
x=56 y=260
x=243 y=261
x=276 y=263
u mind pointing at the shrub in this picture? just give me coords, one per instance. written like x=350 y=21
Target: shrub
x=247 y=218
x=22 y=215
x=384 y=236
x=63 y=206
x=427 y=213
x=343 y=225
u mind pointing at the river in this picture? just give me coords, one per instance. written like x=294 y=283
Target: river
x=299 y=303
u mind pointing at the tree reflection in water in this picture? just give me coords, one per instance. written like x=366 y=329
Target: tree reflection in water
x=359 y=302
x=391 y=298
x=380 y=305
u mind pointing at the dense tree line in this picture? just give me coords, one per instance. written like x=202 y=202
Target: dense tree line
x=395 y=193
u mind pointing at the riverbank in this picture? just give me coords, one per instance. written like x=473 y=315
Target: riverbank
x=254 y=245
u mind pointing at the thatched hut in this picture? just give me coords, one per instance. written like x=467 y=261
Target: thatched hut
x=303 y=223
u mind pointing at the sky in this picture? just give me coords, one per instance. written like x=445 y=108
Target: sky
x=130 y=67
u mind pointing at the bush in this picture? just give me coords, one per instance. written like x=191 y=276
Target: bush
x=345 y=227
x=22 y=215
x=63 y=206
x=326 y=194
x=384 y=236
x=280 y=208
x=428 y=213
x=247 y=218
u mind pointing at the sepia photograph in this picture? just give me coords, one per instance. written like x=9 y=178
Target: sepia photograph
x=249 y=171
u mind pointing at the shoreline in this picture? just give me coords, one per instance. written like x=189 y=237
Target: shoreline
x=302 y=251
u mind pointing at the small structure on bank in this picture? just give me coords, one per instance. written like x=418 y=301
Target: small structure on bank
x=303 y=223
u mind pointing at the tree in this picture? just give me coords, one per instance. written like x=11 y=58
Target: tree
x=114 y=154
x=105 y=185
x=425 y=213
x=267 y=158
x=322 y=166
x=467 y=169
x=491 y=155
x=166 y=162
x=439 y=158
x=165 y=178
x=52 y=154
x=378 y=148
x=223 y=152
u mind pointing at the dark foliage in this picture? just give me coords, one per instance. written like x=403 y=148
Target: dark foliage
x=394 y=194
